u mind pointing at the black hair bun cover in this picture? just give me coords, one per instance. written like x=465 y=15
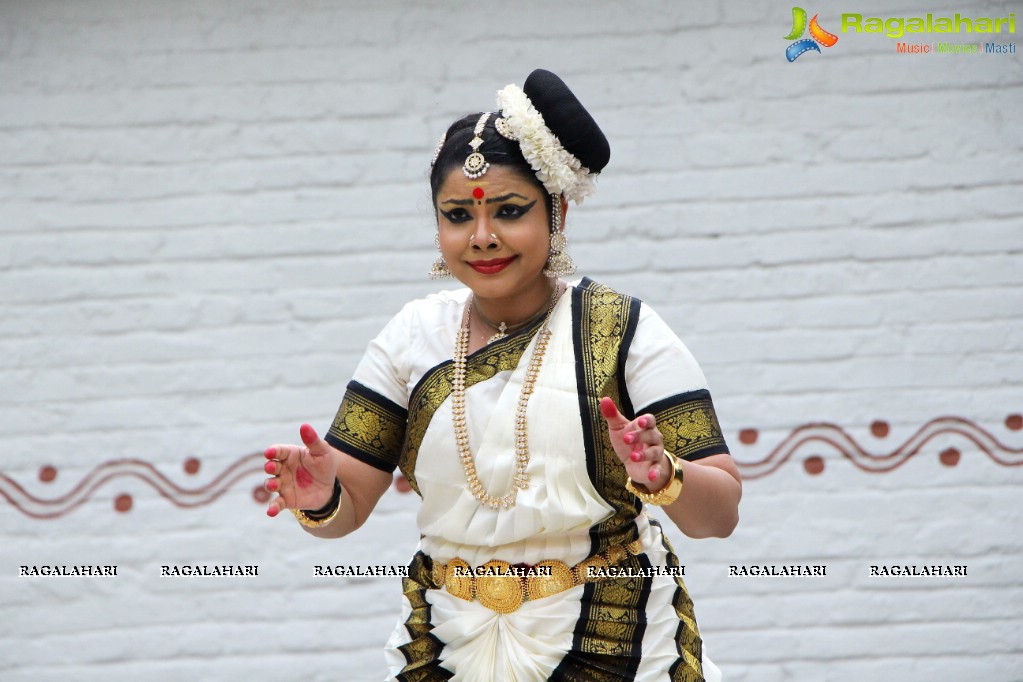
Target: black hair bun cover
x=568 y=119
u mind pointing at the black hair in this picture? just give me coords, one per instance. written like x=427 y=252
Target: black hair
x=562 y=113
x=498 y=151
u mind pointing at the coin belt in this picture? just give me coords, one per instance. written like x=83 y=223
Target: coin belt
x=501 y=587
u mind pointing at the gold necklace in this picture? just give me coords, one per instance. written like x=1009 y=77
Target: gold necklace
x=521 y=478
x=503 y=329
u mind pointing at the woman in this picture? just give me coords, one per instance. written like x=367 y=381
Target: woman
x=534 y=418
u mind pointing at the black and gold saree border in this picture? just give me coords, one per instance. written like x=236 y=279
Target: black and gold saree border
x=369 y=427
x=604 y=323
x=607 y=643
x=435 y=387
x=689 y=425
x=422 y=651
x=688 y=643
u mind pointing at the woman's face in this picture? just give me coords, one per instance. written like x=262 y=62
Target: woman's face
x=503 y=203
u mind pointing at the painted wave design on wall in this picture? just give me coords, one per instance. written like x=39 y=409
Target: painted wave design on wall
x=811 y=444
x=814 y=444
x=108 y=473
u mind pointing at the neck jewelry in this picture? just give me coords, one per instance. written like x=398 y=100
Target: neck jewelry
x=521 y=479
x=503 y=329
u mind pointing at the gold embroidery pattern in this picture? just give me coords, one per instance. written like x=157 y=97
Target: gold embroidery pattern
x=612 y=630
x=689 y=666
x=691 y=427
x=366 y=427
x=422 y=650
x=435 y=387
x=607 y=627
x=604 y=316
x=608 y=634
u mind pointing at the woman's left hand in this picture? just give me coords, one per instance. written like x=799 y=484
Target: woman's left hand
x=639 y=445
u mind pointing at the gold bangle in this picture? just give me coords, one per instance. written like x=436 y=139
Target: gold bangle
x=665 y=495
x=305 y=520
x=309 y=523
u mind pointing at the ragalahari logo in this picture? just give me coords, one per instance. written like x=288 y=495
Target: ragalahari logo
x=817 y=35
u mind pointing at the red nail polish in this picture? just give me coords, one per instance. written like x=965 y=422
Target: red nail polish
x=629 y=438
x=653 y=474
x=271 y=512
x=269 y=453
x=271 y=485
x=271 y=467
x=308 y=434
x=642 y=422
x=635 y=456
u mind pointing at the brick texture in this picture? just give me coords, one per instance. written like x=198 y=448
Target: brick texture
x=208 y=208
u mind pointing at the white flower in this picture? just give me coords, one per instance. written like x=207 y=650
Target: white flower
x=558 y=170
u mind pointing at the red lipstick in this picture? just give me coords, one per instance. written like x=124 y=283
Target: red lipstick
x=490 y=267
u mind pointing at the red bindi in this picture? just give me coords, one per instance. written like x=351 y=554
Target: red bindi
x=478 y=192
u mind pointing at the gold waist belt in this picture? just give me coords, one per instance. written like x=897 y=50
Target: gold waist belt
x=503 y=587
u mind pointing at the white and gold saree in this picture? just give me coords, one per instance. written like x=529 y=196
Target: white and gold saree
x=397 y=413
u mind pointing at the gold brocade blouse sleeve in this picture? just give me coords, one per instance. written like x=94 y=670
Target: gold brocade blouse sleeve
x=369 y=427
x=662 y=378
x=371 y=421
x=689 y=425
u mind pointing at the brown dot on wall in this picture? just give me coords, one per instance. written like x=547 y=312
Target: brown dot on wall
x=949 y=457
x=47 y=473
x=192 y=465
x=123 y=503
x=748 y=436
x=1014 y=422
x=879 y=428
x=813 y=465
x=260 y=495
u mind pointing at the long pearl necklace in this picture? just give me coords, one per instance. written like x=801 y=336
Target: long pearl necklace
x=521 y=479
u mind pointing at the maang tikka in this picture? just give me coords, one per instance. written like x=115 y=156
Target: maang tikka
x=475 y=164
x=559 y=263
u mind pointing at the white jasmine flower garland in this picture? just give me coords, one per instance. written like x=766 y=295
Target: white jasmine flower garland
x=558 y=170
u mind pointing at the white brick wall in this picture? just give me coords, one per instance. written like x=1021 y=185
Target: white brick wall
x=208 y=208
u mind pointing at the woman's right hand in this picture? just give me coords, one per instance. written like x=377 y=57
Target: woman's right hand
x=302 y=475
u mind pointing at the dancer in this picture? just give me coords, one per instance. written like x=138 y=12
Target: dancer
x=535 y=417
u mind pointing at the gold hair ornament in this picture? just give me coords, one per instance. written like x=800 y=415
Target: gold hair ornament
x=475 y=164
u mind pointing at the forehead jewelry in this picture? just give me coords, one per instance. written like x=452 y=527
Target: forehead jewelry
x=501 y=124
x=475 y=165
x=436 y=151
